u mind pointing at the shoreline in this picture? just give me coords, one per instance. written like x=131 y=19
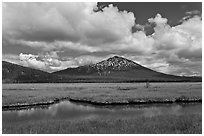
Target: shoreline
x=21 y=106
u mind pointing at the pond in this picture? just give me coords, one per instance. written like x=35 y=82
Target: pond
x=75 y=111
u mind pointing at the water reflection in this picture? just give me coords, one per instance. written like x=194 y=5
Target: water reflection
x=72 y=111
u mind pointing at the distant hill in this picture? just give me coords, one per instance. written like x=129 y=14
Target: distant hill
x=115 y=69
x=118 y=69
x=13 y=73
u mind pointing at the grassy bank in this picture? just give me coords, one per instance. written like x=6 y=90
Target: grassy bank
x=143 y=125
x=101 y=92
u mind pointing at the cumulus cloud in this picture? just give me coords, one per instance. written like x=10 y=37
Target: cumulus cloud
x=158 y=20
x=52 y=26
x=73 y=22
x=174 y=50
x=190 y=14
x=77 y=27
x=56 y=45
x=31 y=61
x=13 y=58
x=184 y=38
x=139 y=27
x=51 y=62
x=181 y=43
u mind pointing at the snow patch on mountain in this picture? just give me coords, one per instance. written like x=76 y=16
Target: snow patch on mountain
x=115 y=63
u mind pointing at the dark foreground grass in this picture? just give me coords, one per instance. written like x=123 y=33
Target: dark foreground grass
x=170 y=124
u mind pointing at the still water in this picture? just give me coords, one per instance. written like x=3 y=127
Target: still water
x=72 y=111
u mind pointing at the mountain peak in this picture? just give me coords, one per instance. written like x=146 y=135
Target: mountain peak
x=115 y=63
x=118 y=58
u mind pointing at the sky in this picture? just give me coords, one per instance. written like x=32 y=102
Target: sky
x=166 y=37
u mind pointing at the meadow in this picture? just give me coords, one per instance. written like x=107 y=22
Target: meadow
x=191 y=124
x=15 y=94
x=99 y=92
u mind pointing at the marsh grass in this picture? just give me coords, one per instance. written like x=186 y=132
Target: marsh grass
x=170 y=124
x=112 y=92
x=101 y=92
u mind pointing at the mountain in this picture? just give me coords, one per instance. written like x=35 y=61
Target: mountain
x=117 y=69
x=13 y=73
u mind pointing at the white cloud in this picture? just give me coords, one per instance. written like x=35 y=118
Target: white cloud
x=62 y=26
x=51 y=62
x=56 y=45
x=185 y=38
x=12 y=58
x=192 y=26
x=158 y=20
x=30 y=60
x=71 y=22
x=53 y=27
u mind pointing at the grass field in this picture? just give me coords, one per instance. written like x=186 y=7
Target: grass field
x=142 y=125
x=100 y=92
x=110 y=92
